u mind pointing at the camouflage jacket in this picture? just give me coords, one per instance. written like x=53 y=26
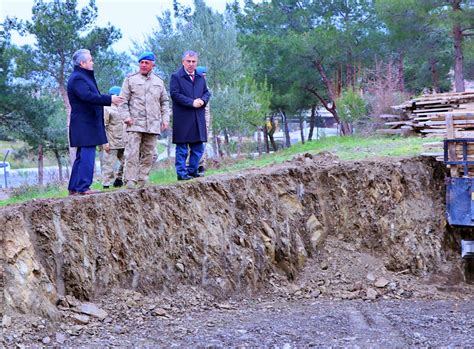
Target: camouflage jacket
x=114 y=127
x=146 y=102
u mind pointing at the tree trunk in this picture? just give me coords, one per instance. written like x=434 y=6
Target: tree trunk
x=215 y=146
x=350 y=71
x=67 y=107
x=301 y=129
x=319 y=121
x=331 y=104
x=60 y=165
x=312 y=121
x=40 y=165
x=401 y=72
x=286 y=128
x=458 y=52
x=226 y=142
x=259 y=141
x=339 y=80
x=331 y=107
x=265 y=139
x=434 y=74
x=350 y=81
x=239 y=146
x=219 y=147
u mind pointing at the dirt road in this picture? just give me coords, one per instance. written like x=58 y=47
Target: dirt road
x=275 y=324
x=288 y=325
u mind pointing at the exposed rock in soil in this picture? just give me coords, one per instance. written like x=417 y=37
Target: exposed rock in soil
x=316 y=226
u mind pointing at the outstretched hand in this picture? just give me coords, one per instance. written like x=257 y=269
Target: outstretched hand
x=117 y=100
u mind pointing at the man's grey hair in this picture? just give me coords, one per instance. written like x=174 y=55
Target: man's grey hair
x=80 y=56
x=190 y=53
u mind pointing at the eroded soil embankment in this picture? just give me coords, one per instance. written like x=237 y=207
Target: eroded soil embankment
x=225 y=234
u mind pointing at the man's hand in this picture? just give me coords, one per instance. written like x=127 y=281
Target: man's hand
x=107 y=147
x=164 y=126
x=198 y=103
x=117 y=100
x=128 y=121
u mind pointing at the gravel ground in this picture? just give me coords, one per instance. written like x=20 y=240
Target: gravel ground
x=271 y=323
x=298 y=324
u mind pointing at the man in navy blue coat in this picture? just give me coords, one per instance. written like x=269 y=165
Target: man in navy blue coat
x=190 y=95
x=86 y=126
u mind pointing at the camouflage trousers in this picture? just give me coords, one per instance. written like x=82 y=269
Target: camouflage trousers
x=109 y=162
x=139 y=153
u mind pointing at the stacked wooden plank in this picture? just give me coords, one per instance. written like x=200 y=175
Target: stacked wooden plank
x=456 y=124
x=427 y=114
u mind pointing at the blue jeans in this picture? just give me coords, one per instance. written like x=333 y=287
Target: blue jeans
x=82 y=172
x=196 y=149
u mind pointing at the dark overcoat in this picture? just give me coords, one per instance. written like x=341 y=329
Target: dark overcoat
x=189 y=123
x=86 y=126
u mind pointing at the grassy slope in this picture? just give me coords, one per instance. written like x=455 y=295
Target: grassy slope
x=347 y=148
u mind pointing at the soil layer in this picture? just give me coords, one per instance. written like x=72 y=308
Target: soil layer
x=315 y=229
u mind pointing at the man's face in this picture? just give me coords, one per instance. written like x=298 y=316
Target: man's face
x=146 y=66
x=190 y=63
x=88 y=63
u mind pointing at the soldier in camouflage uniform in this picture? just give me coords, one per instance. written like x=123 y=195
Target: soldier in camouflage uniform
x=115 y=148
x=146 y=113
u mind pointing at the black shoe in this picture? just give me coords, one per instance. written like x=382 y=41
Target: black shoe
x=201 y=170
x=118 y=183
x=106 y=187
x=184 y=178
x=196 y=174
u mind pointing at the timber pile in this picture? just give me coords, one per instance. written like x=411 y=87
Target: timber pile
x=427 y=115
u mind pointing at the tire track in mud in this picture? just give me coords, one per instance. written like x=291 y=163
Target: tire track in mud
x=367 y=324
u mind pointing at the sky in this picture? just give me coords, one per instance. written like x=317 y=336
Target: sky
x=134 y=18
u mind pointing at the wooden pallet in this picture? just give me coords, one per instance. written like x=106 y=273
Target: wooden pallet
x=427 y=115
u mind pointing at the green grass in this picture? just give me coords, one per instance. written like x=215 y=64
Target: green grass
x=27 y=193
x=346 y=148
x=163 y=176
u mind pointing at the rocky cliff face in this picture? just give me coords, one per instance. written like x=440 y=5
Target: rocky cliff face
x=225 y=233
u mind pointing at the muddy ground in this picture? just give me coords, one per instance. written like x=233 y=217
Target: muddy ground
x=315 y=252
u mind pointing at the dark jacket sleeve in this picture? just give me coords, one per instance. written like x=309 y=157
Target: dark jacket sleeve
x=206 y=94
x=176 y=94
x=84 y=92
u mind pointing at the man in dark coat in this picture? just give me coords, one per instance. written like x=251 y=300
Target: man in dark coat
x=190 y=95
x=86 y=126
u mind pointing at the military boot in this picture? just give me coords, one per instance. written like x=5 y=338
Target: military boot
x=118 y=183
